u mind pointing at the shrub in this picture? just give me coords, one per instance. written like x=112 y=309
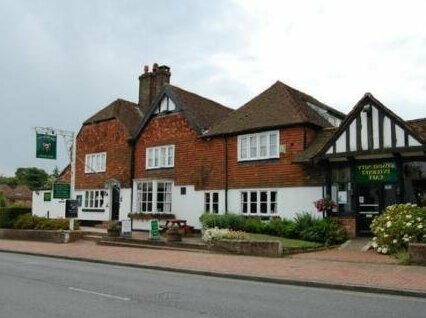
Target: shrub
x=216 y=234
x=280 y=227
x=222 y=221
x=326 y=230
x=32 y=222
x=8 y=216
x=398 y=225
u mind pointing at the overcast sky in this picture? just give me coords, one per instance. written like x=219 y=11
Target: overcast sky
x=62 y=61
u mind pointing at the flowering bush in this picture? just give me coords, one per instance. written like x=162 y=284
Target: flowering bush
x=216 y=234
x=398 y=225
x=325 y=204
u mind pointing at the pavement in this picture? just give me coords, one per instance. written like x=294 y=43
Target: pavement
x=347 y=267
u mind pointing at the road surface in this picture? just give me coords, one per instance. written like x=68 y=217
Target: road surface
x=41 y=287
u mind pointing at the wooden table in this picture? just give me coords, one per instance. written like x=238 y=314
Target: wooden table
x=181 y=224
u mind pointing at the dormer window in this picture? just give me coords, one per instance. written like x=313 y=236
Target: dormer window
x=166 y=105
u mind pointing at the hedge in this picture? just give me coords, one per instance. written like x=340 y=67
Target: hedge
x=8 y=216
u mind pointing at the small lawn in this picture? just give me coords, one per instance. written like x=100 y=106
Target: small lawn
x=286 y=243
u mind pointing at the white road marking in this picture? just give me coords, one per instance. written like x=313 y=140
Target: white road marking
x=98 y=294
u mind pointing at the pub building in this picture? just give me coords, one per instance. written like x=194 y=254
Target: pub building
x=372 y=160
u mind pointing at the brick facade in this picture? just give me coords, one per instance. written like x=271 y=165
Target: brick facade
x=108 y=136
x=198 y=162
x=273 y=172
x=201 y=162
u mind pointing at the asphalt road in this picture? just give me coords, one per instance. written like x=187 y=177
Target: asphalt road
x=43 y=287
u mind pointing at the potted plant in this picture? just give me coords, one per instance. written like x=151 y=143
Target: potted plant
x=114 y=229
x=325 y=206
x=173 y=234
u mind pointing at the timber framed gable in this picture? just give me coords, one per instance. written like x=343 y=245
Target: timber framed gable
x=371 y=128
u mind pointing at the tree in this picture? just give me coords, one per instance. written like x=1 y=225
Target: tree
x=2 y=200
x=10 y=181
x=33 y=177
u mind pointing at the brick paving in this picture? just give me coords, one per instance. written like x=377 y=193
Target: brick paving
x=331 y=266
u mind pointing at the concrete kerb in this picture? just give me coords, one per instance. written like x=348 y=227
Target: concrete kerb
x=280 y=281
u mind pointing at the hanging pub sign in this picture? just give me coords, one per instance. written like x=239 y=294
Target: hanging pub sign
x=61 y=190
x=45 y=146
x=375 y=172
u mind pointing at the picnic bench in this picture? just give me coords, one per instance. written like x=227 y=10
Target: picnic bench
x=180 y=223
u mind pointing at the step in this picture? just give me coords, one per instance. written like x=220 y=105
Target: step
x=92 y=237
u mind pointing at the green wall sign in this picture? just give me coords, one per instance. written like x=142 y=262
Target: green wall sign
x=375 y=172
x=45 y=146
x=47 y=196
x=61 y=191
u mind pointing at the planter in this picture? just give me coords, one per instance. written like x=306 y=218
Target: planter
x=173 y=235
x=417 y=253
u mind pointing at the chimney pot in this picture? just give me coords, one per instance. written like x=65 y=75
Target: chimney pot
x=155 y=67
x=146 y=69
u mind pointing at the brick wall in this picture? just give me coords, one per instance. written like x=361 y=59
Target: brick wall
x=110 y=137
x=201 y=161
x=273 y=172
x=197 y=161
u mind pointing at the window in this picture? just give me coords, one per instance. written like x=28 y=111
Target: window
x=79 y=199
x=154 y=196
x=95 y=199
x=211 y=202
x=258 y=146
x=95 y=162
x=259 y=202
x=166 y=105
x=160 y=157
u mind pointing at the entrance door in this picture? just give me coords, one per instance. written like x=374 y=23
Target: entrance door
x=115 y=203
x=368 y=206
x=372 y=200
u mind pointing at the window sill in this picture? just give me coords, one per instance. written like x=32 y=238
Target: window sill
x=257 y=161
x=92 y=210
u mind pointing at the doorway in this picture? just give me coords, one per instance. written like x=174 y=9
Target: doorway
x=115 y=203
x=372 y=199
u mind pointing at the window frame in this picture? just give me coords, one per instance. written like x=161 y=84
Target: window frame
x=160 y=157
x=255 y=207
x=153 y=199
x=210 y=204
x=95 y=162
x=93 y=199
x=258 y=146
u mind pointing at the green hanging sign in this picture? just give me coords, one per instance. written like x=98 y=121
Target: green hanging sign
x=45 y=146
x=47 y=196
x=375 y=172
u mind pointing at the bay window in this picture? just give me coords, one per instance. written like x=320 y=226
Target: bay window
x=154 y=196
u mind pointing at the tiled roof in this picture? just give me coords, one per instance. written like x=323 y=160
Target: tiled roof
x=319 y=142
x=20 y=192
x=278 y=106
x=419 y=126
x=204 y=111
x=200 y=112
x=126 y=112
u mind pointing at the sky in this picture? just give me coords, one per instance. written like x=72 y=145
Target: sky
x=62 y=61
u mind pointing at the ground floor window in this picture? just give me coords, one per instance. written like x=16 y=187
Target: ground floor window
x=415 y=182
x=211 y=202
x=95 y=198
x=259 y=202
x=154 y=196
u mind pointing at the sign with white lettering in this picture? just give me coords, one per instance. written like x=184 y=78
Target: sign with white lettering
x=377 y=172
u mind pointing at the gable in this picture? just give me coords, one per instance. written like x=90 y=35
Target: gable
x=371 y=127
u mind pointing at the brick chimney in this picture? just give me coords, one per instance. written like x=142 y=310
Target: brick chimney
x=150 y=84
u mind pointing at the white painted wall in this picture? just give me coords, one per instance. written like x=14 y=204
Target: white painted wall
x=341 y=143
x=291 y=200
x=375 y=124
x=125 y=203
x=94 y=216
x=55 y=207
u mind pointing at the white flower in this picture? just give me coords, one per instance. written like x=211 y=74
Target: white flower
x=408 y=216
x=395 y=241
x=408 y=224
x=374 y=238
x=419 y=219
x=374 y=245
x=420 y=226
x=386 y=235
x=384 y=250
x=379 y=249
x=388 y=224
x=405 y=239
